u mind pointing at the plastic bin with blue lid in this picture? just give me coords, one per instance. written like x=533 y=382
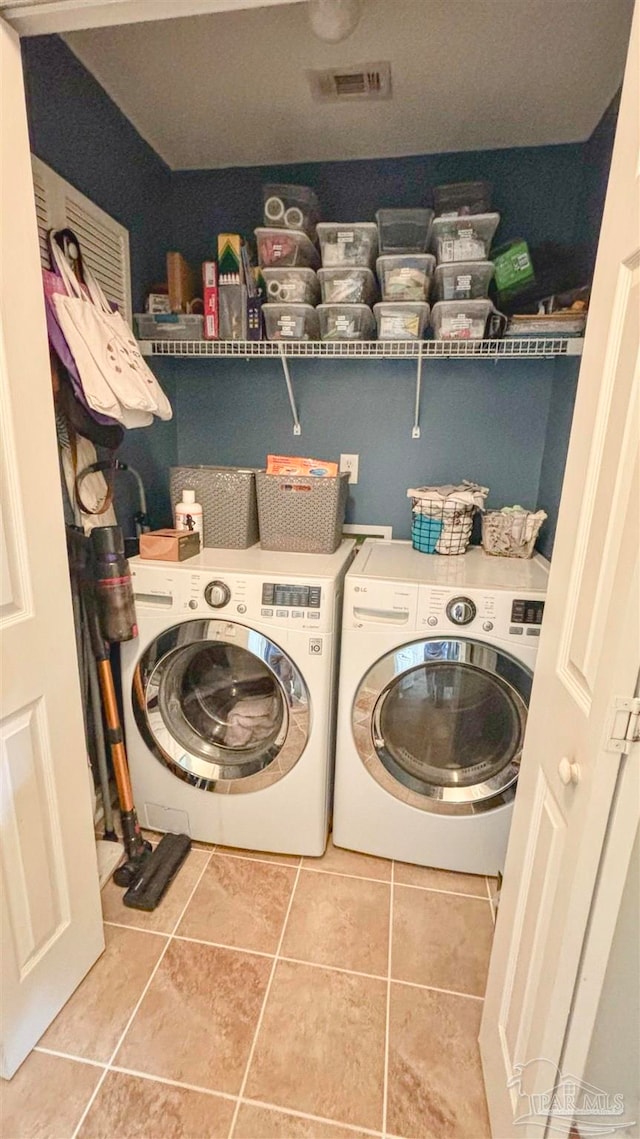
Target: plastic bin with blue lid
x=405 y=277
x=353 y=243
x=465 y=238
x=169 y=326
x=404 y=231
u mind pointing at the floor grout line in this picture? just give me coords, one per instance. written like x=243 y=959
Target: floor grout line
x=69 y=1056
x=436 y=989
x=435 y=890
x=222 y=945
x=136 y=928
x=138 y=1003
x=172 y=1083
x=264 y=861
x=385 y=1085
x=313 y=1118
x=264 y=1005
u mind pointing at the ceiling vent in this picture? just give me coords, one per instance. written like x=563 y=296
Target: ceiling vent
x=343 y=84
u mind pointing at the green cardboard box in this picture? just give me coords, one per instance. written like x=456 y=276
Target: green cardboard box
x=514 y=268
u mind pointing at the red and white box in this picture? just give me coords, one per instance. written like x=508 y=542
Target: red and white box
x=210 y=297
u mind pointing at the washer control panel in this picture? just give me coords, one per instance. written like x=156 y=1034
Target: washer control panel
x=217 y=594
x=499 y=613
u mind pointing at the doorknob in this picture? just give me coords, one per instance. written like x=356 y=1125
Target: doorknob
x=569 y=772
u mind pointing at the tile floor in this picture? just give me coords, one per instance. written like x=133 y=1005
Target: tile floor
x=271 y=996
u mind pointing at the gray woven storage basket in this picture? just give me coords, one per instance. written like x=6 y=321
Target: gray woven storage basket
x=301 y=515
x=228 y=499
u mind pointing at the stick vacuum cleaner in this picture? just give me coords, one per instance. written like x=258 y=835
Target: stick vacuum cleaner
x=110 y=612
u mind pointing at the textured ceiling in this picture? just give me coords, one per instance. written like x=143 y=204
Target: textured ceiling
x=230 y=89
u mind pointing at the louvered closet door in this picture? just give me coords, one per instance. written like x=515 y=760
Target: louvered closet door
x=104 y=242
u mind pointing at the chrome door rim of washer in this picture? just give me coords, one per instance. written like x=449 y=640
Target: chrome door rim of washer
x=264 y=766
x=510 y=674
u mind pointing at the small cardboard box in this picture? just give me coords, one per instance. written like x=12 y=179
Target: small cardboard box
x=169 y=545
x=514 y=269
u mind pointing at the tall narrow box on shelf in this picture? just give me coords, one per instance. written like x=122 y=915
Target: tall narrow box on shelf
x=210 y=300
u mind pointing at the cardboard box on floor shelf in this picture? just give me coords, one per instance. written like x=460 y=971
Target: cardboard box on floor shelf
x=210 y=300
x=182 y=282
x=169 y=545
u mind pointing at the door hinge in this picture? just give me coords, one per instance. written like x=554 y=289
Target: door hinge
x=625 y=724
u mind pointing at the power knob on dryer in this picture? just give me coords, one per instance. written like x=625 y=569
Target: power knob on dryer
x=217 y=594
x=461 y=610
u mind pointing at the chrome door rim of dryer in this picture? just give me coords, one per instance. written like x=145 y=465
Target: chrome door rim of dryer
x=170 y=735
x=464 y=788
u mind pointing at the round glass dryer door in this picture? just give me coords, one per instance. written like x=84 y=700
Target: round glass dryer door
x=221 y=705
x=440 y=724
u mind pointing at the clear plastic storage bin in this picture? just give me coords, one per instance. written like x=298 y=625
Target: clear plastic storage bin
x=346 y=322
x=460 y=320
x=347 y=286
x=404 y=231
x=348 y=244
x=464 y=238
x=290 y=207
x=401 y=320
x=292 y=286
x=169 y=326
x=301 y=514
x=463 y=280
x=406 y=277
x=285 y=247
x=290 y=322
x=459 y=198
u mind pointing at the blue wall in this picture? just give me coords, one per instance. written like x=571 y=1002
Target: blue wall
x=504 y=424
x=77 y=130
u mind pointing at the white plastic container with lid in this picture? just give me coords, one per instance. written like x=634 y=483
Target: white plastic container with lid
x=460 y=320
x=284 y=247
x=354 y=243
x=189 y=513
x=463 y=280
x=290 y=322
x=401 y=320
x=292 y=285
x=464 y=238
x=345 y=322
x=347 y=286
x=404 y=231
x=405 y=277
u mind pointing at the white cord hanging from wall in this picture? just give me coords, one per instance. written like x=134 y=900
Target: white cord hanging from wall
x=334 y=20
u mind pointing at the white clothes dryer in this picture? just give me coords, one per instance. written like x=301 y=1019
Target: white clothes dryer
x=230 y=695
x=437 y=663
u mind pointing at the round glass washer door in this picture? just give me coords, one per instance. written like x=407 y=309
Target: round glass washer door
x=440 y=724
x=221 y=705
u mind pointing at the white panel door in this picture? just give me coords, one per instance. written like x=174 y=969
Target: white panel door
x=589 y=656
x=51 y=921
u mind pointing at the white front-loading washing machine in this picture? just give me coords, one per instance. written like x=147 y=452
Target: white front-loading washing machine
x=436 y=670
x=230 y=694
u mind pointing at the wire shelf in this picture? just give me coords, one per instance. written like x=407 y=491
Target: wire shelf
x=508 y=349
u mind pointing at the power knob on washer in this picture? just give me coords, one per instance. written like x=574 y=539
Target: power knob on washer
x=461 y=610
x=217 y=594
